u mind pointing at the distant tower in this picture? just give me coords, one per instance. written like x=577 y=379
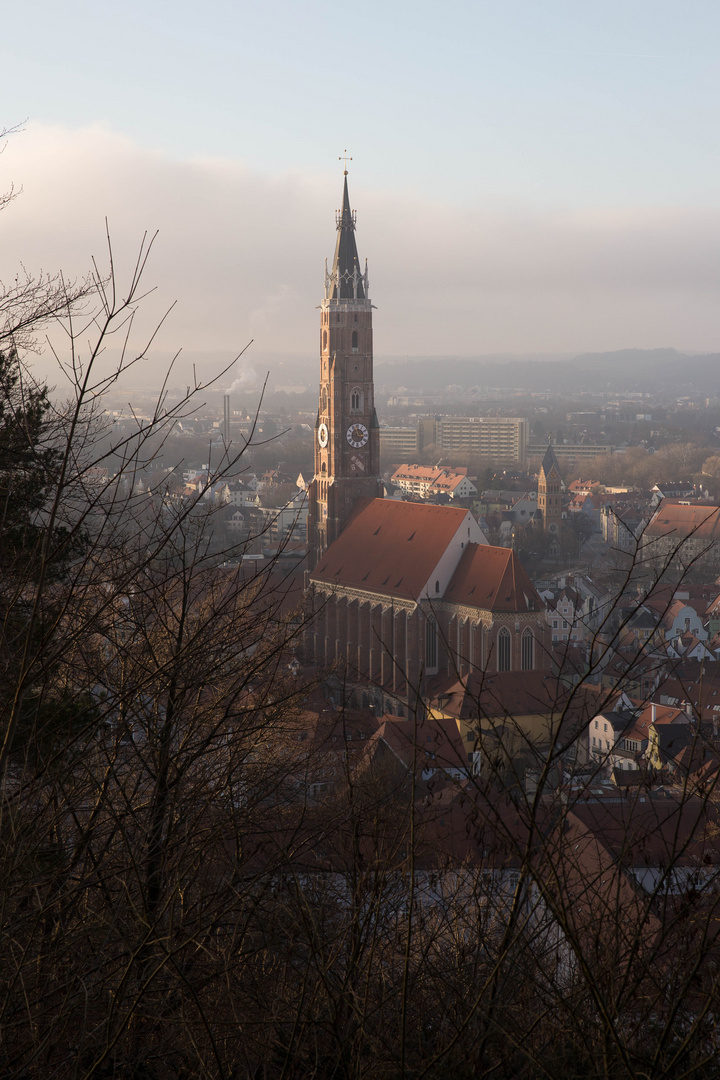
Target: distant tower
x=549 y=493
x=226 y=419
x=347 y=439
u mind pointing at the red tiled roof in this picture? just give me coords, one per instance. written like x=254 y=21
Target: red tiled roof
x=492 y=578
x=646 y=831
x=427 y=472
x=511 y=694
x=449 y=481
x=389 y=547
x=664 y=714
x=683 y=520
x=699 y=597
x=674 y=610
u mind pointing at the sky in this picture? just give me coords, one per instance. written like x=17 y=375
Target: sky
x=529 y=176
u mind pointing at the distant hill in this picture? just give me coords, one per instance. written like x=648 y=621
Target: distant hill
x=659 y=370
x=662 y=370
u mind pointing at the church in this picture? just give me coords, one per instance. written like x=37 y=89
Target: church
x=405 y=594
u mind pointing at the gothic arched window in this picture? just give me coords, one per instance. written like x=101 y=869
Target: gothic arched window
x=504 y=646
x=356 y=400
x=324 y=339
x=324 y=400
x=354 y=341
x=431 y=643
x=528 y=650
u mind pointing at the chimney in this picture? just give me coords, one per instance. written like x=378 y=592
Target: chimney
x=226 y=418
x=653 y=713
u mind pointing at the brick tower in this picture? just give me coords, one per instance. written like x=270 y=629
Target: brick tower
x=347 y=442
x=549 y=493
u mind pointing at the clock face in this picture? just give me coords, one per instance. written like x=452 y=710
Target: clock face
x=357 y=435
x=323 y=435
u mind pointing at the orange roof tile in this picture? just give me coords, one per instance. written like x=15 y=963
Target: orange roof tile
x=510 y=694
x=389 y=547
x=492 y=578
x=684 y=520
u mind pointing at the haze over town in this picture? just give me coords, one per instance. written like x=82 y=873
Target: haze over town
x=360 y=541
x=529 y=179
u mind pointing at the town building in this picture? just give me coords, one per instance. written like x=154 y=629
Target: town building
x=501 y=439
x=621 y=527
x=680 y=534
x=428 y=480
x=571 y=453
x=399 y=443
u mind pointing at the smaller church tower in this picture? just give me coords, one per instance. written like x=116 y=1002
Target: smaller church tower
x=347 y=437
x=549 y=494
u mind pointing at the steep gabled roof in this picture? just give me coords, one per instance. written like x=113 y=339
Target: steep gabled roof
x=449 y=481
x=493 y=579
x=389 y=547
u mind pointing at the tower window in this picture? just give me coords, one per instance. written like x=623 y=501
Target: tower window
x=354 y=341
x=324 y=339
x=356 y=400
x=437 y=586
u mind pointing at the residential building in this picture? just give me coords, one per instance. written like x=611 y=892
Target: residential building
x=426 y=481
x=501 y=439
x=681 y=533
x=399 y=443
x=621 y=528
x=570 y=453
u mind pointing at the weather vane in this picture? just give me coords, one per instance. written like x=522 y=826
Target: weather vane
x=344 y=157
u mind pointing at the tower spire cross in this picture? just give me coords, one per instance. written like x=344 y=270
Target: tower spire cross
x=344 y=157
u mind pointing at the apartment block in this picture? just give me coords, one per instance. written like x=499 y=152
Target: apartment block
x=504 y=439
x=570 y=453
x=399 y=443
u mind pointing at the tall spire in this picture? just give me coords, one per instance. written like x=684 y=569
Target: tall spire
x=550 y=460
x=347 y=279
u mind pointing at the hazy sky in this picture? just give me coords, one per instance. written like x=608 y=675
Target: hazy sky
x=528 y=175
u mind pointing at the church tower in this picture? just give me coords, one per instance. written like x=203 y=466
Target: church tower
x=347 y=439
x=549 y=493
